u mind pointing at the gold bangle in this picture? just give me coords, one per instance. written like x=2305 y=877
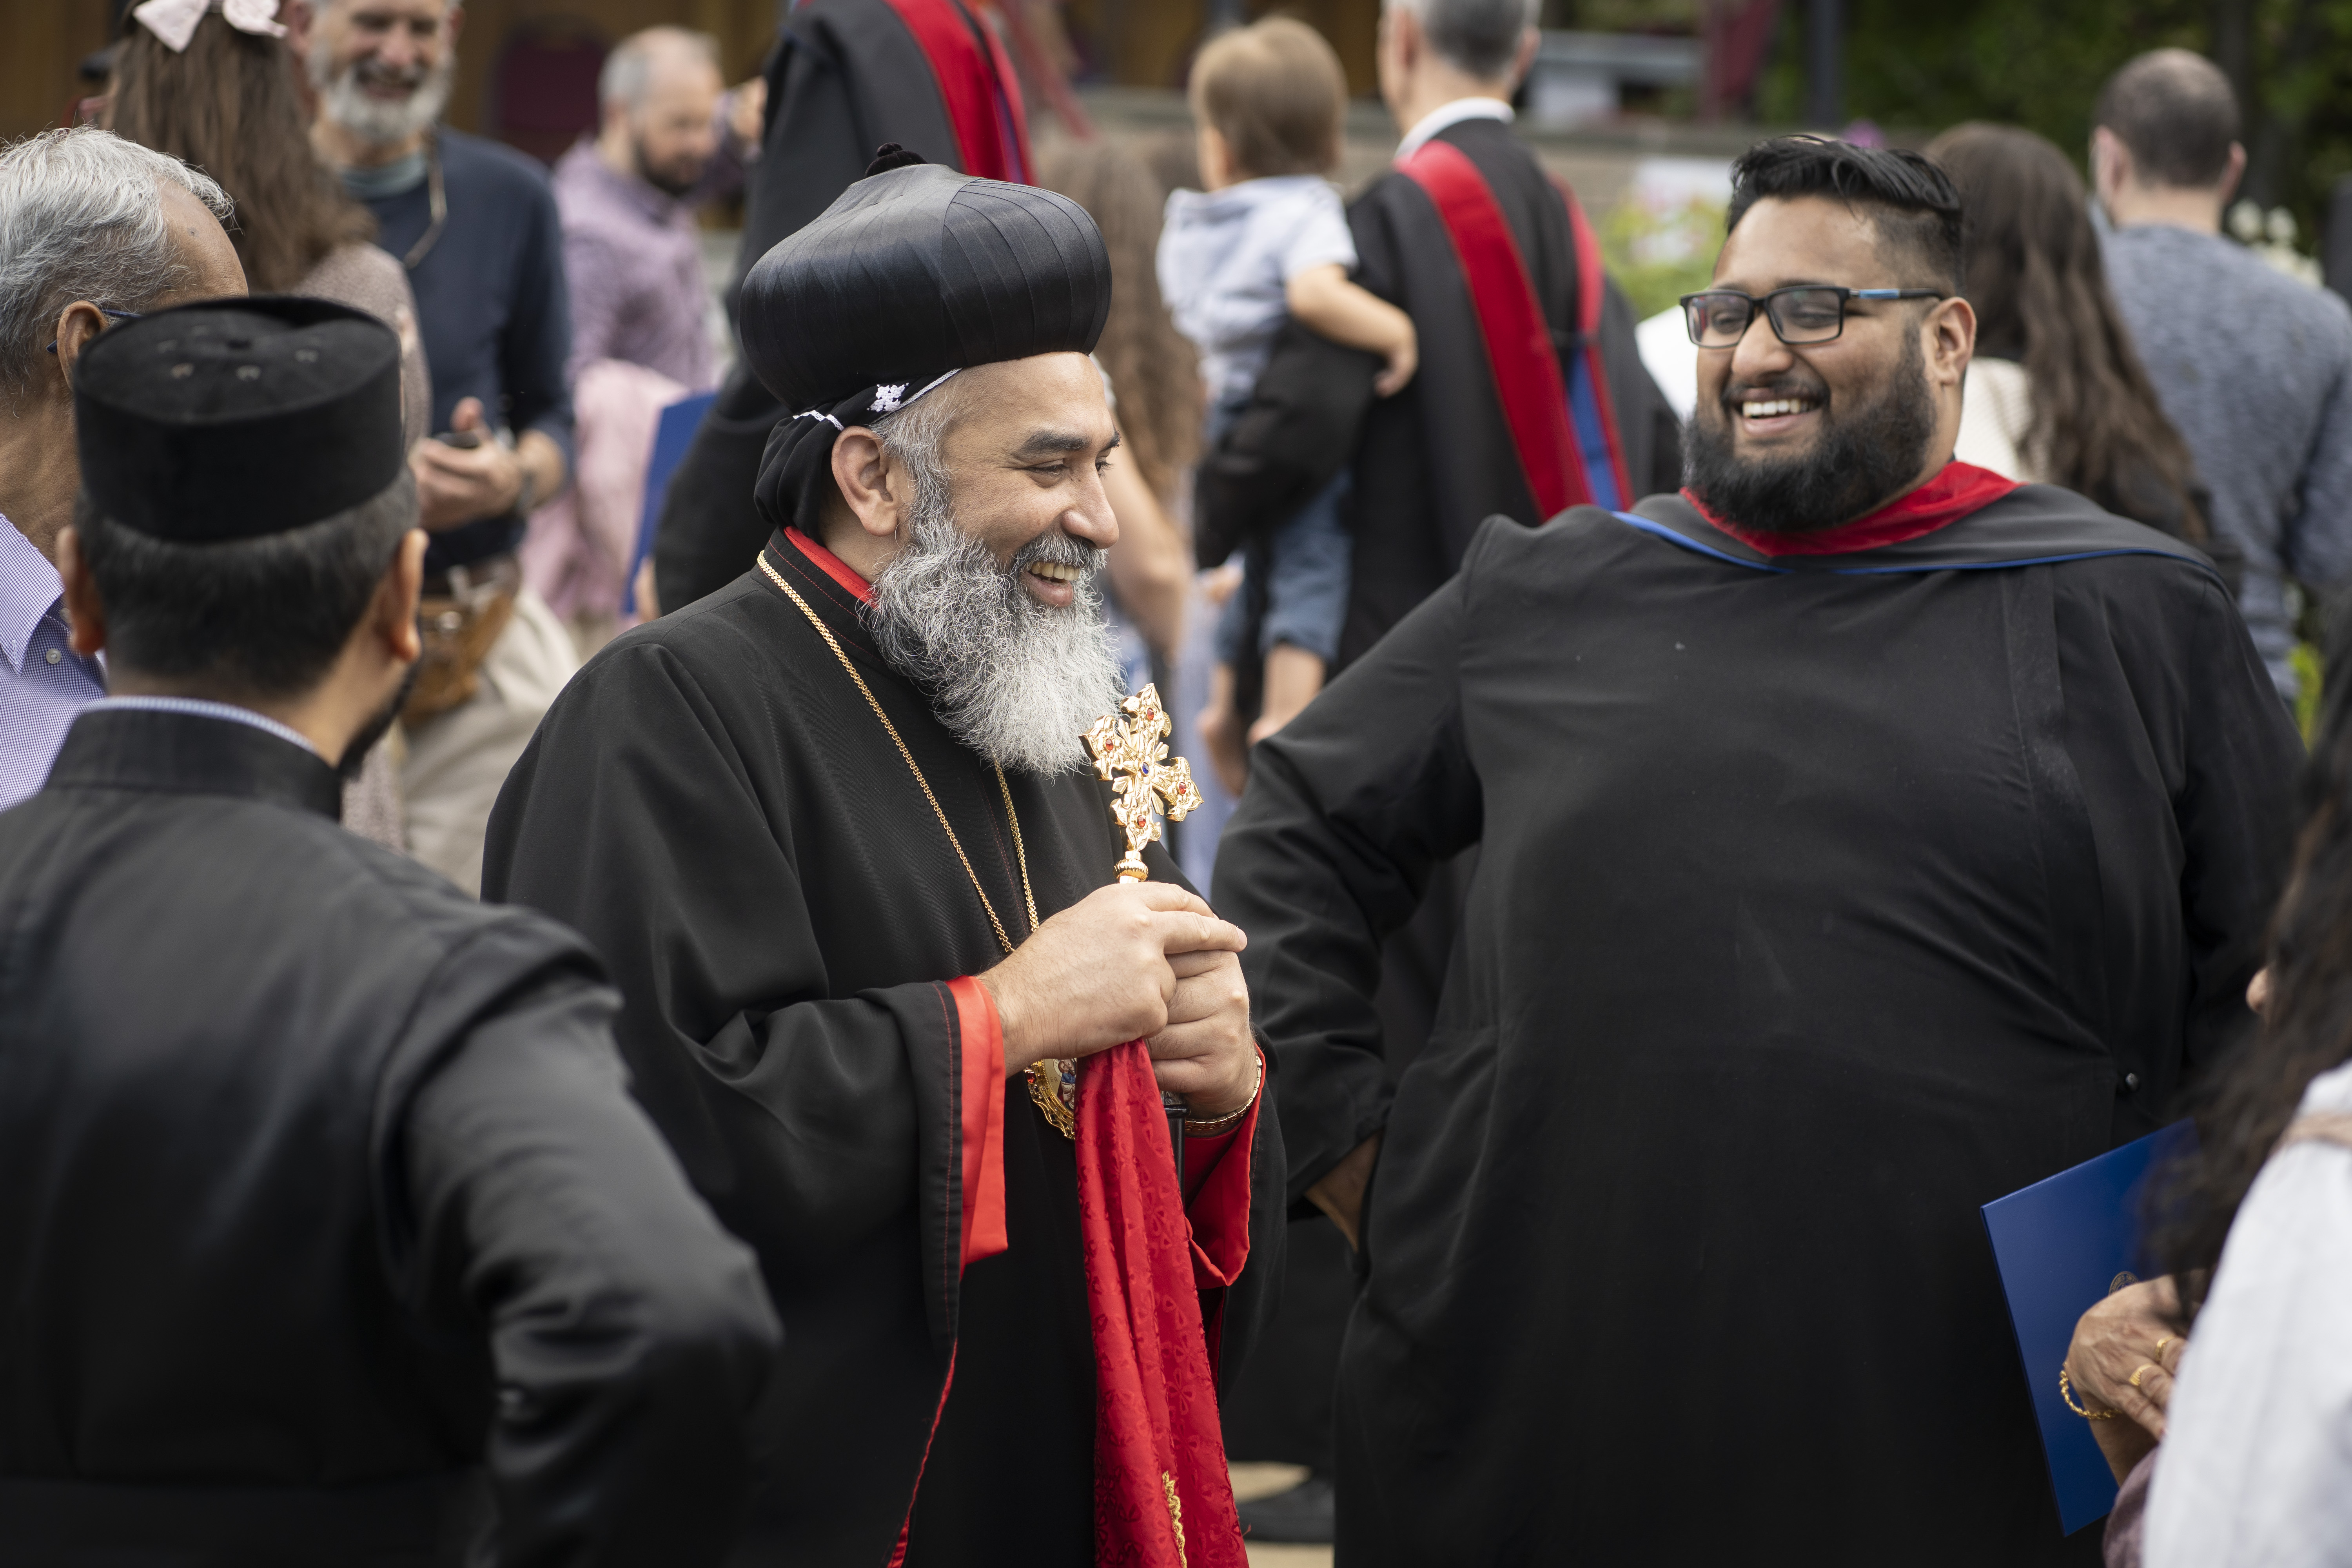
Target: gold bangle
x=1211 y=1128
x=2066 y=1392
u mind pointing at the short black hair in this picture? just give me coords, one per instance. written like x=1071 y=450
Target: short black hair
x=1911 y=204
x=2175 y=110
x=261 y=617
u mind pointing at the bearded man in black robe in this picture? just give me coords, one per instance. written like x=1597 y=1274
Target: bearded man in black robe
x=332 y=1236
x=830 y=826
x=1863 y=837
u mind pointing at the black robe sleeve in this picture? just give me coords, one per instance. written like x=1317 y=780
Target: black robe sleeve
x=1349 y=810
x=811 y=1122
x=629 y=1334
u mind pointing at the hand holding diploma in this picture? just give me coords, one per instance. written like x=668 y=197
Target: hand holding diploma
x=2124 y=1357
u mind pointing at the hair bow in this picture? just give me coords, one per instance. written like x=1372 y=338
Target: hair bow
x=174 y=21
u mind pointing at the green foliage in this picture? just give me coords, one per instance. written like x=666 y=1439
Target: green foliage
x=1657 y=256
x=2307 y=681
x=1917 y=69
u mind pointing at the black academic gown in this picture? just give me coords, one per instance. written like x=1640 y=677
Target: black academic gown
x=1435 y=460
x=713 y=803
x=1816 y=907
x=845 y=76
x=329 y=1223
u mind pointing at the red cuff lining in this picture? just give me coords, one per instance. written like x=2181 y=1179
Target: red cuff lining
x=981 y=1038
x=1217 y=1198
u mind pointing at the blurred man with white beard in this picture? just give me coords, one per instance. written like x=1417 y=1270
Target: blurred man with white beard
x=832 y=828
x=475 y=225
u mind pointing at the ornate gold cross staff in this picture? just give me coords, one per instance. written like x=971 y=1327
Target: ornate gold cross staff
x=1133 y=756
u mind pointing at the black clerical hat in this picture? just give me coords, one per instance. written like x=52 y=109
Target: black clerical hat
x=912 y=274
x=235 y=418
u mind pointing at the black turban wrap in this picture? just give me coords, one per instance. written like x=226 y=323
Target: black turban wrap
x=910 y=276
x=235 y=418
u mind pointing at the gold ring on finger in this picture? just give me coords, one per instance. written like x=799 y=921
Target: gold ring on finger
x=2145 y=1368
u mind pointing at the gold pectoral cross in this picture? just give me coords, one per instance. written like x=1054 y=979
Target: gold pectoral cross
x=1132 y=754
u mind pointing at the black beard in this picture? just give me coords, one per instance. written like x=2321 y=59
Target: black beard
x=374 y=730
x=1862 y=459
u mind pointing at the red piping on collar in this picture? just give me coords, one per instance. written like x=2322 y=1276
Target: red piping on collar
x=832 y=565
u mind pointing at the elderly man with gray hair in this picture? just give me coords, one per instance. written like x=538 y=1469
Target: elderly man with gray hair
x=93 y=230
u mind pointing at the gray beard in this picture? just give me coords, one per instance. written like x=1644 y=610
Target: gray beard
x=373 y=122
x=1016 y=681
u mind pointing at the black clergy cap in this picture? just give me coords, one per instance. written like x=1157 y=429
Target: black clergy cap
x=910 y=275
x=235 y=418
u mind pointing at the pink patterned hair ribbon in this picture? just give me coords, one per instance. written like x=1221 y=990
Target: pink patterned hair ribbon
x=174 y=21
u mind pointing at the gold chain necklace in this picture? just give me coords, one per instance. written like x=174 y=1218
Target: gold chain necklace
x=1055 y=1097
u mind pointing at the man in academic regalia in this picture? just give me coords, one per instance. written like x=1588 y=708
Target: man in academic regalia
x=846 y=77
x=331 y=1233
x=832 y=828
x=1490 y=255
x=1865 y=837
x=1493 y=258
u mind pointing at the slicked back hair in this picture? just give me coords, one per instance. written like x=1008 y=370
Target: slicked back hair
x=1910 y=202
x=1479 y=37
x=2176 y=112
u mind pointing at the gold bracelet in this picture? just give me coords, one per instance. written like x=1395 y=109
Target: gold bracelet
x=1211 y=1128
x=2066 y=1392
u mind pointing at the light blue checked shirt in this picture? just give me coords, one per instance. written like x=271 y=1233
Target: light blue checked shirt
x=43 y=683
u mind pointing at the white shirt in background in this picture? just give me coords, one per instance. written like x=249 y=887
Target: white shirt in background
x=2255 y=1470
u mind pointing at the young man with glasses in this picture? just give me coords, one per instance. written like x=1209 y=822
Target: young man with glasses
x=1863 y=838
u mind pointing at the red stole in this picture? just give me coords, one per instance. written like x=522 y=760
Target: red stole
x=1163 y=1497
x=1957 y=489
x=1556 y=456
x=976 y=84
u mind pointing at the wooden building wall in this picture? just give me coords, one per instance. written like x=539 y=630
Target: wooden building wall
x=1135 y=43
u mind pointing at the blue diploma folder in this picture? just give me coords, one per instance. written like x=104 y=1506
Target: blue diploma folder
x=672 y=436
x=2062 y=1246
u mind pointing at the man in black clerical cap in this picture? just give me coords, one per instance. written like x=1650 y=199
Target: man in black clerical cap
x=832 y=826
x=332 y=1235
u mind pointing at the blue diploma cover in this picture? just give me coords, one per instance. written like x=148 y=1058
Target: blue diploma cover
x=672 y=436
x=2062 y=1246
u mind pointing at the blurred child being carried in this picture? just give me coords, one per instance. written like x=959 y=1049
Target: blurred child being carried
x=1266 y=241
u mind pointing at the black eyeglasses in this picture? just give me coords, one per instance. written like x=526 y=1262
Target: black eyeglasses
x=103 y=311
x=1802 y=314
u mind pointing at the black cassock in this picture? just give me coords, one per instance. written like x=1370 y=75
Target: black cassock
x=844 y=76
x=1816 y=907
x=713 y=803
x=328 y=1221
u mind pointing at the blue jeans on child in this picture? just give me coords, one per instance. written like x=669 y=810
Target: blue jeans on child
x=1309 y=564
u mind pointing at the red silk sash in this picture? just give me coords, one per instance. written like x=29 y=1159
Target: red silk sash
x=1163 y=1496
x=977 y=85
x=1519 y=351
